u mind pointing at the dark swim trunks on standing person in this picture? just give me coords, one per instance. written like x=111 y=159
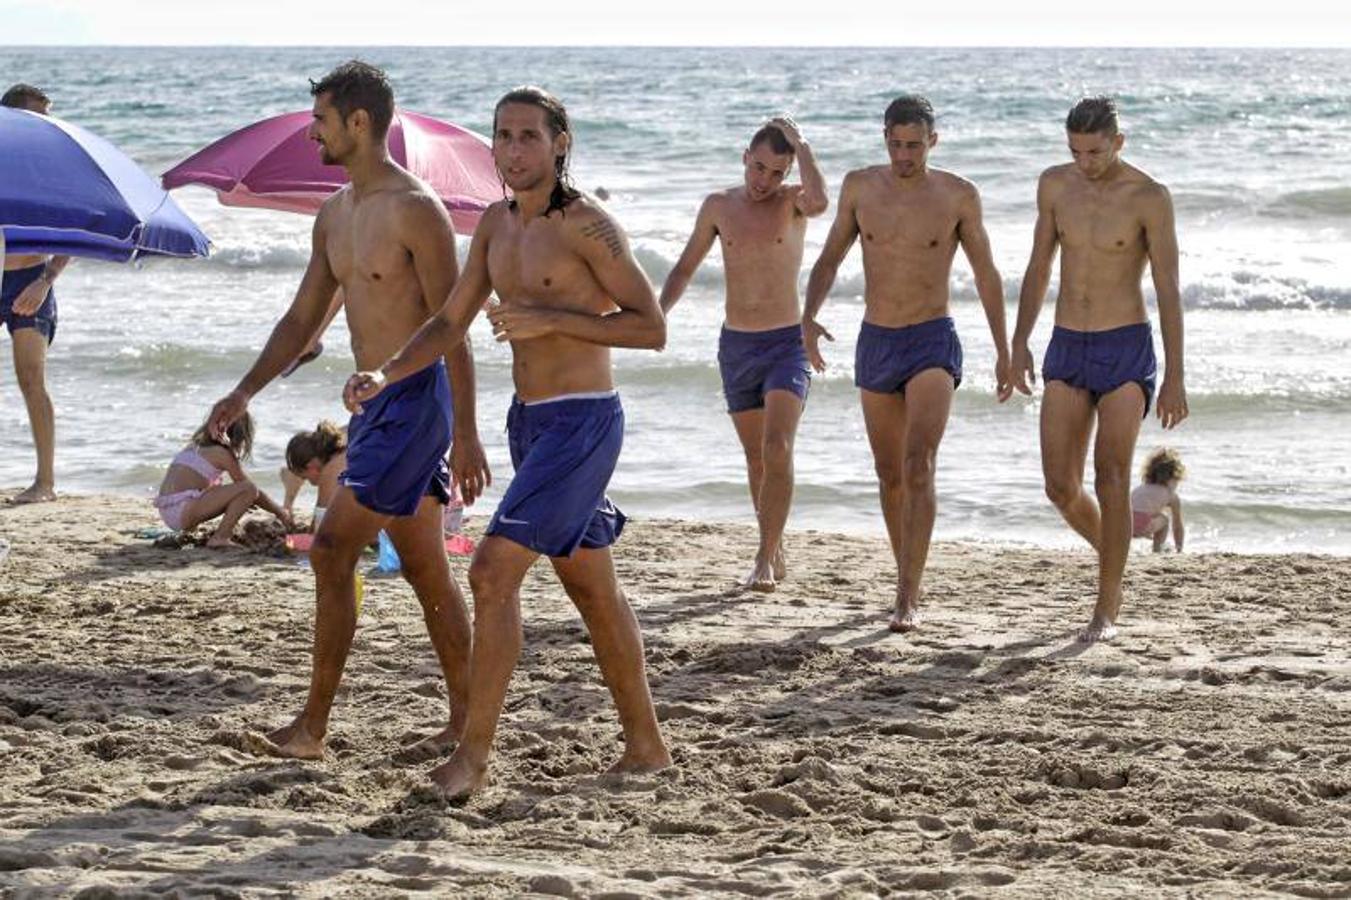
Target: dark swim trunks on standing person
x=1102 y=361
x=753 y=363
x=397 y=444
x=43 y=319
x=564 y=451
x=885 y=359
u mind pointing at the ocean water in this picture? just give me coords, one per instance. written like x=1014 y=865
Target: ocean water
x=1252 y=143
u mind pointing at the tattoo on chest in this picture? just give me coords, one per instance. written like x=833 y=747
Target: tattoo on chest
x=604 y=230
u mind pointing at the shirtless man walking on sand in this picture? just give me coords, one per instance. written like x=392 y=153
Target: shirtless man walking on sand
x=1110 y=218
x=386 y=240
x=761 y=224
x=908 y=360
x=569 y=290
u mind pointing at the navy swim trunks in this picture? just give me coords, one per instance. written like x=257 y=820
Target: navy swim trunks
x=885 y=359
x=753 y=363
x=564 y=451
x=43 y=320
x=1102 y=361
x=397 y=444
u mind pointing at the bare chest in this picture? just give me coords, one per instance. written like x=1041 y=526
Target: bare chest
x=1098 y=221
x=535 y=266
x=756 y=230
x=888 y=222
x=363 y=248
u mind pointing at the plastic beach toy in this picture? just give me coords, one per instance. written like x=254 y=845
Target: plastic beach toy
x=299 y=543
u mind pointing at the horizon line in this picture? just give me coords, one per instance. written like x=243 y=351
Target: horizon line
x=649 y=46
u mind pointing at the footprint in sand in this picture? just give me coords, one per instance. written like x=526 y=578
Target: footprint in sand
x=779 y=804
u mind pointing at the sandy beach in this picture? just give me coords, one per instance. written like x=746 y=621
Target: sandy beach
x=1205 y=753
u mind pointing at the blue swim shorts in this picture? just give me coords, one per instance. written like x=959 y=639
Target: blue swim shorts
x=43 y=319
x=397 y=444
x=564 y=451
x=885 y=359
x=753 y=363
x=1102 y=361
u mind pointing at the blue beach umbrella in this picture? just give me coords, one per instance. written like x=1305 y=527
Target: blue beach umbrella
x=64 y=190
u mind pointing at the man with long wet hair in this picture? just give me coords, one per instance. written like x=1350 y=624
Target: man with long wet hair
x=569 y=290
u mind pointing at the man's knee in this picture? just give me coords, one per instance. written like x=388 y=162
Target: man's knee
x=328 y=554
x=488 y=583
x=890 y=473
x=423 y=570
x=1111 y=479
x=32 y=379
x=778 y=452
x=919 y=470
x=1062 y=490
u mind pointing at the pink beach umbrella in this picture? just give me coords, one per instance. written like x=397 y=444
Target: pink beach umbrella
x=273 y=165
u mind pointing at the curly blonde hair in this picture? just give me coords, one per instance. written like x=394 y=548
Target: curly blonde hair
x=1162 y=466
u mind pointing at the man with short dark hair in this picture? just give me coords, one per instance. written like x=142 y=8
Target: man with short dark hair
x=1109 y=218
x=386 y=240
x=908 y=359
x=28 y=309
x=570 y=290
x=762 y=225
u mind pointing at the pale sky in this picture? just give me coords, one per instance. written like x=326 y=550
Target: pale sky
x=1204 y=23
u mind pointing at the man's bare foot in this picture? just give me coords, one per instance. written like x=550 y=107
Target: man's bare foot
x=294 y=741
x=780 y=564
x=636 y=762
x=459 y=777
x=761 y=578
x=36 y=493
x=906 y=618
x=216 y=543
x=432 y=746
x=1099 y=629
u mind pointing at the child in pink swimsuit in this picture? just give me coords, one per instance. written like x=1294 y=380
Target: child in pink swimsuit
x=1155 y=504
x=192 y=493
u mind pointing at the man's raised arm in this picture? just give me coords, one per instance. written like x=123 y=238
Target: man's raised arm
x=812 y=199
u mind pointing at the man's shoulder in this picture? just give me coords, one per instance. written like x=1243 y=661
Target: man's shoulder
x=717 y=201
x=585 y=211
x=863 y=175
x=586 y=225
x=415 y=195
x=1145 y=186
x=722 y=196
x=492 y=218
x=335 y=203
x=1056 y=174
x=956 y=184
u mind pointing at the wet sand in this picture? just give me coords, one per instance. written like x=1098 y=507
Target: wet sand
x=1207 y=752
